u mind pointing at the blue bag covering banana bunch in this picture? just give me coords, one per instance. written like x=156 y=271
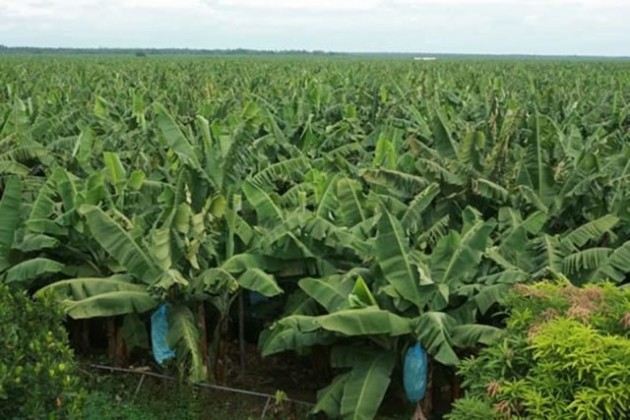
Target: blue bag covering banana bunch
x=415 y=373
x=159 y=331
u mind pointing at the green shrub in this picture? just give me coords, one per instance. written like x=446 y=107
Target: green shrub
x=37 y=371
x=565 y=355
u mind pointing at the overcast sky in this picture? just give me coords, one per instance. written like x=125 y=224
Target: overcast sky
x=584 y=27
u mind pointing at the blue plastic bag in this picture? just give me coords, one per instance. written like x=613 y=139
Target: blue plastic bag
x=159 y=331
x=255 y=298
x=415 y=373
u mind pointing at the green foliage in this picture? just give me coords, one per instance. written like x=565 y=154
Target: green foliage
x=99 y=406
x=401 y=199
x=38 y=377
x=118 y=397
x=566 y=354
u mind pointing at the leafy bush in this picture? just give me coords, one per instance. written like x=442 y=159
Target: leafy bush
x=566 y=355
x=37 y=372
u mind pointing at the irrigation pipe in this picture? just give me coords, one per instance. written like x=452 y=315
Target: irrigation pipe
x=269 y=397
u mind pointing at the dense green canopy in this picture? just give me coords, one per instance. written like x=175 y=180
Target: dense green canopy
x=388 y=201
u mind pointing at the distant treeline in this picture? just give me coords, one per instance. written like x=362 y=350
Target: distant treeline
x=155 y=51
x=142 y=52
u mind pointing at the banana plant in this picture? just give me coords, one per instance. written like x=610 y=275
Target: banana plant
x=215 y=163
x=37 y=242
x=126 y=265
x=393 y=295
x=23 y=258
x=149 y=274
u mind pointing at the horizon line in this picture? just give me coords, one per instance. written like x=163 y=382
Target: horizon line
x=310 y=51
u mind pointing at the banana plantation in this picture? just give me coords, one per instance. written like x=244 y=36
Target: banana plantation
x=334 y=209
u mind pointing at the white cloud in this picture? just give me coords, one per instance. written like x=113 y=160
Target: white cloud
x=502 y=26
x=531 y=20
x=297 y=4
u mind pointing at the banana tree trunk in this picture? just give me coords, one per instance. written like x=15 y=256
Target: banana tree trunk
x=79 y=334
x=84 y=334
x=241 y=331
x=320 y=357
x=427 y=402
x=457 y=387
x=115 y=343
x=220 y=351
x=201 y=315
x=418 y=414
